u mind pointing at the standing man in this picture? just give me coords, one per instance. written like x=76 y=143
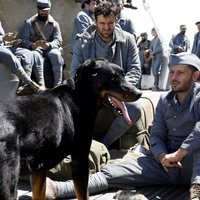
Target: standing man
x=156 y=56
x=196 y=43
x=106 y=40
x=180 y=42
x=143 y=46
x=122 y=19
x=41 y=34
x=174 y=156
x=83 y=20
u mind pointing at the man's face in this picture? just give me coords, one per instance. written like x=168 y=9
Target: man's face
x=105 y=26
x=198 y=27
x=183 y=30
x=92 y=6
x=43 y=14
x=181 y=78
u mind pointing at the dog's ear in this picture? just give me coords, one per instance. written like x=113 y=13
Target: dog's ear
x=87 y=70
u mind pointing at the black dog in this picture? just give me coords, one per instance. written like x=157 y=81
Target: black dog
x=41 y=130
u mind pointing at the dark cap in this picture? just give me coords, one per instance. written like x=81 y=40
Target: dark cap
x=197 y=22
x=185 y=58
x=183 y=26
x=43 y=4
x=143 y=34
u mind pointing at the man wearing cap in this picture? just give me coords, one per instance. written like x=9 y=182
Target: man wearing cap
x=156 y=56
x=41 y=34
x=19 y=61
x=174 y=157
x=122 y=19
x=180 y=42
x=143 y=46
x=196 y=43
x=83 y=19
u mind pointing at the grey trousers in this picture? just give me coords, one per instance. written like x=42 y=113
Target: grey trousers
x=14 y=65
x=139 y=171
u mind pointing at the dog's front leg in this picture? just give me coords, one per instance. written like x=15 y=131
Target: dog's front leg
x=80 y=179
x=38 y=185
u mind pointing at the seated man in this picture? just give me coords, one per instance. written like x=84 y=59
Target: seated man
x=175 y=137
x=105 y=40
x=41 y=34
x=18 y=60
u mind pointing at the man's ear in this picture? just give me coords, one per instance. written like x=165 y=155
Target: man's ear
x=196 y=75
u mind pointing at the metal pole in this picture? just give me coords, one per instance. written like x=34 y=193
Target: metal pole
x=146 y=6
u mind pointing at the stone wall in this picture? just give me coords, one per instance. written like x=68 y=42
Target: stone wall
x=14 y=12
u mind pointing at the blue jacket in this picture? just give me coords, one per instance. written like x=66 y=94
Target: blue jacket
x=196 y=45
x=180 y=40
x=156 y=48
x=82 y=21
x=176 y=125
x=51 y=32
x=123 y=52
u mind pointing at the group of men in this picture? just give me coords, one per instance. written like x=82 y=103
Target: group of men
x=181 y=43
x=173 y=157
x=40 y=37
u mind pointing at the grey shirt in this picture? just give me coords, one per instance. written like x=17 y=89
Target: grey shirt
x=176 y=125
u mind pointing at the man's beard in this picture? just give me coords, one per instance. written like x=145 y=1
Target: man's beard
x=42 y=18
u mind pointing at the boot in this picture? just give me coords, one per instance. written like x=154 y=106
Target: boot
x=156 y=83
x=58 y=76
x=195 y=192
x=39 y=75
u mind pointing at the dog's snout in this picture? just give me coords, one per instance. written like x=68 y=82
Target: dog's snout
x=137 y=93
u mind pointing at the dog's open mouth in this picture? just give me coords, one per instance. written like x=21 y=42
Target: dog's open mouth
x=120 y=108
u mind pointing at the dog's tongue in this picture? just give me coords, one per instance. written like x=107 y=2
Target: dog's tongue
x=121 y=105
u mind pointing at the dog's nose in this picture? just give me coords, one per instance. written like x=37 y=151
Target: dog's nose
x=137 y=93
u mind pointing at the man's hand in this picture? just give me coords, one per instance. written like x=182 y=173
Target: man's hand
x=8 y=37
x=43 y=43
x=172 y=159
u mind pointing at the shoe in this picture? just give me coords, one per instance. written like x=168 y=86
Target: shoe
x=51 y=189
x=195 y=191
x=155 y=88
x=25 y=90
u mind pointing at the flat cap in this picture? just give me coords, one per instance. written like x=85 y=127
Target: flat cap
x=183 y=26
x=143 y=34
x=44 y=4
x=185 y=58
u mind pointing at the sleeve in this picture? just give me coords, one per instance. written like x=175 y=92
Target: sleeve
x=158 y=48
x=77 y=57
x=133 y=69
x=82 y=23
x=173 y=42
x=25 y=35
x=57 y=37
x=158 y=134
x=191 y=143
